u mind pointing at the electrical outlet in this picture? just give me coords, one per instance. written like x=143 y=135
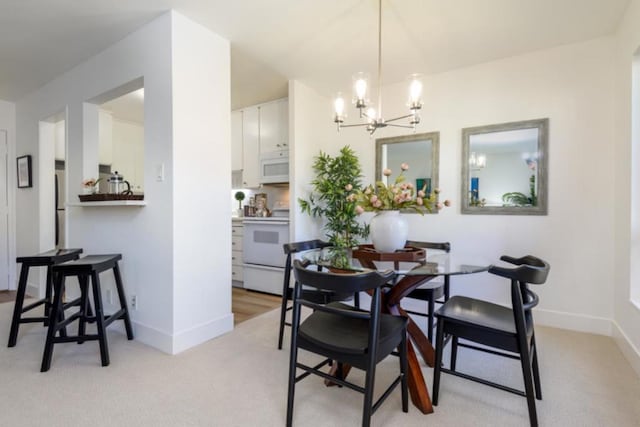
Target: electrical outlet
x=134 y=302
x=110 y=296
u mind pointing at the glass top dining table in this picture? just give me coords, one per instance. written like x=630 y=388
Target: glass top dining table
x=415 y=267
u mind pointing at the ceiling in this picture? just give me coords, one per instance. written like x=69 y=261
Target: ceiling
x=321 y=43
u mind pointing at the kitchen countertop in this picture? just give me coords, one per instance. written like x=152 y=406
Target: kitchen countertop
x=265 y=219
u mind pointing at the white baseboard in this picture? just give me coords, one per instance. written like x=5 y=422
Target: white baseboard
x=174 y=344
x=574 y=322
x=630 y=352
x=150 y=336
x=197 y=335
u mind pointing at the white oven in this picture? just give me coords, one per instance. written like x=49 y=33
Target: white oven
x=263 y=254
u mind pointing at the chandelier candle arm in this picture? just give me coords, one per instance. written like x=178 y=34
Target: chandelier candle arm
x=361 y=88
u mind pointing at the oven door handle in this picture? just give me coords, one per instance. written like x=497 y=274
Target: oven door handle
x=265 y=222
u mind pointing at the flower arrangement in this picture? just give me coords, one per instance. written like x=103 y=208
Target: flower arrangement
x=399 y=195
x=90 y=185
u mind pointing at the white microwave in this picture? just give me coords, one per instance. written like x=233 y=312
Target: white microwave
x=274 y=167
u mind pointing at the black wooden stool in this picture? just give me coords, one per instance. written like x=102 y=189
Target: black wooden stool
x=48 y=259
x=83 y=268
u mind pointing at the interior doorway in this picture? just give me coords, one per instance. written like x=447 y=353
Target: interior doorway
x=4 y=211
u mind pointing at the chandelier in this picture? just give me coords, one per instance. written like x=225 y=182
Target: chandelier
x=372 y=119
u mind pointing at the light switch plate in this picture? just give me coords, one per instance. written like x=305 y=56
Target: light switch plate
x=160 y=172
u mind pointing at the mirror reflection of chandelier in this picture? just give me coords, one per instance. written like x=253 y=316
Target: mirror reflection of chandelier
x=373 y=119
x=477 y=161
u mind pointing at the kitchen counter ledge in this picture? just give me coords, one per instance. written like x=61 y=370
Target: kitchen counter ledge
x=138 y=203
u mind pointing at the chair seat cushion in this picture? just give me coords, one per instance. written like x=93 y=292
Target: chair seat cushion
x=474 y=312
x=342 y=334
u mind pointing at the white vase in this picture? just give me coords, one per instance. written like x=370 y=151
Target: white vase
x=389 y=231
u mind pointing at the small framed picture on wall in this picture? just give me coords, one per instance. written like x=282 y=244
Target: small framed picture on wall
x=24 y=172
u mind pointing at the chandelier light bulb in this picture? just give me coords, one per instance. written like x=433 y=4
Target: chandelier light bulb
x=415 y=92
x=338 y=105
x=371 y=115
x=360 y=89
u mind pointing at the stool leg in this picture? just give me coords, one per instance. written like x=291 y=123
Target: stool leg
x=48 y=294
x=63 y=330
x=17 y=308
x=102 y=332
x=84 y=306
x=53 y=323
x=123 y=302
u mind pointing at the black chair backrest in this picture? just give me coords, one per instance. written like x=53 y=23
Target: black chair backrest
x=306 y=245
x=530 y=270
x=295 y=247
x=343 y=283
x=442 y=246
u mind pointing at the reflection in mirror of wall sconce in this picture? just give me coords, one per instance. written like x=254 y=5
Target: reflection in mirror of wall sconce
x=477 y=161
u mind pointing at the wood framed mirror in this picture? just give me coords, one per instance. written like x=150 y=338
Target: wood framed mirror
x=420 y=151
x=504 y=168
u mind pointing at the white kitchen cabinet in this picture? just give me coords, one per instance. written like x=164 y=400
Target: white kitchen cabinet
x=255 y=130
x=250 y=147
x=274 y=126
x=236 y=140
x=236 y=252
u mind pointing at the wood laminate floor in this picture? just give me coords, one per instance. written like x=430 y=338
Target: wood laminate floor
x=247 y=304
x=7 y=296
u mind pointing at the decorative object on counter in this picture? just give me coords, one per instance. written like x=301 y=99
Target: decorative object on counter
x=105 y=197
x=261 y=205
x=90 y=185
x=239 y=196
x=337 y=178
x=117 y=184
x=24 y=172
x=389 y=229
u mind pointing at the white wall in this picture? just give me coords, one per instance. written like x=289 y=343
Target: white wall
x=127 y=152
x=572 y=86
x=626 y=190
x=8 y=123
x=153 y=262
x=201 y=182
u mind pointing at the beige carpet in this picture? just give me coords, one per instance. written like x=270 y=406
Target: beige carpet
x=240 y=380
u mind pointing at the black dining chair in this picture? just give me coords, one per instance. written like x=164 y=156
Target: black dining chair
x=433 y=289
x=346 y=335
x=323 y=297
x=508 y=329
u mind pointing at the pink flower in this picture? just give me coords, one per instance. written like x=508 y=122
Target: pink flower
x=359 y=210
x=421 y=193
x=437 y=191
x=351 y=198
x=386 y=172
x=440 y=205
x=373 y=199
x=419 y=201
x=447 y=203
x=404 y=166
x=377 y=204
x=348 y=187
x=367 y=191
x=398 y=198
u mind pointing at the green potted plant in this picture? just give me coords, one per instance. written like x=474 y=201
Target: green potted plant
x=336 y=179
x=239 y=196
